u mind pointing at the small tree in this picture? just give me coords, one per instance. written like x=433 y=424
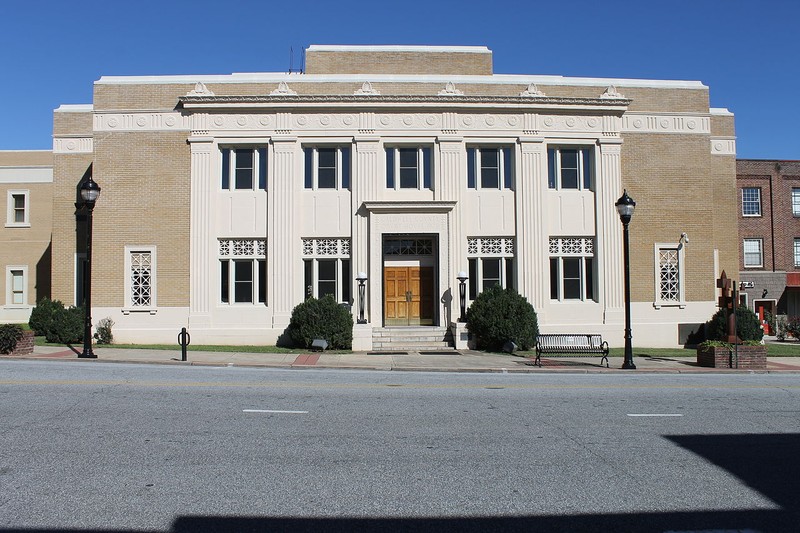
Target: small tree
x=748 y=326
x=321 y=319
x=103 y=333
x=10 y=334
x=500 y=315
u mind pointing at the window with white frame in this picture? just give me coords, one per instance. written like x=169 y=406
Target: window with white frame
x=751 y=202
x=243 y=271
x=796 y=201
x=569 y=168
x=753 y=253
x=669 y=275
x=16 y=285
x=796 y=252
x=491 y=262
x=327 y=167
x=490 y=167
x=18 y=209
x=408 y=167
x=326 y=265
x=140 y=286
x=244 y=169
x=572 y=268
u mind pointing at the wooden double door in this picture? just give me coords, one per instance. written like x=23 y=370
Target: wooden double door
x=408 y=296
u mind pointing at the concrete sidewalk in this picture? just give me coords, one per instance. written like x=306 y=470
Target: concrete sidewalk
x=461 y=361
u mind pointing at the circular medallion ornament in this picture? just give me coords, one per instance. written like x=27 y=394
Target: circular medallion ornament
x=302 y=120
x=71 y=145
x=242 y=121
x=513 y=121
x=490 y=120
x=408 y=120
x=638 y=123
x=664 y=124
x=141 y=121
x=467 y=121
x=691 y=124
x=385 y=120
x=593 y=122
x=170 y=121
x=348 y=120
x=571 y=122
x=113 y=123
x=431 y=120
x=219 y=121
x=264 y=121
x=549 y=121
x=325 y=120
x=718 y=147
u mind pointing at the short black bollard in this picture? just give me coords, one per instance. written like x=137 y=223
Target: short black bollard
x=184 y=339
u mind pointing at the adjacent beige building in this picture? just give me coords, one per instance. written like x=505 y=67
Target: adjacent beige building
x=226 y=200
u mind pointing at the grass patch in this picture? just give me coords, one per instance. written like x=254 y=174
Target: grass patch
x=40 y=341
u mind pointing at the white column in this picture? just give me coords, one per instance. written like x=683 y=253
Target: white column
x=609 y=231
x=532 y=243
x=452 y=187
x=200 y=236
x=366 y=174
x=283 y=242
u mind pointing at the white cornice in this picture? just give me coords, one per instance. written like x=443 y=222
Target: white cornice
x=396 y=48
x=495 y=79
x=74 y=108
x=720 y=111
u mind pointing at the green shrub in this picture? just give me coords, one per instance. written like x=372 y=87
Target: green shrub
x=57 y=323
x=321 y=319
x=103 y=333
x=500 y=315
x=748 y=326
x=10 y=334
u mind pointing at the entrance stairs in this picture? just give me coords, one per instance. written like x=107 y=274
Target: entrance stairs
x=412 y=339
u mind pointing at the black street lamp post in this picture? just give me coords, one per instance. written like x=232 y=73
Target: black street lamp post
x=462 y=293
x=89 y=193
x=625 y=206
x=362 y=279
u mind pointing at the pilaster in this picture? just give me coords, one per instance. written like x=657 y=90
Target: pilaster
x=452 y=187
x=609 y=234
x=532 y=231
x=283 y=241
x=201 y=238
x=365 y=170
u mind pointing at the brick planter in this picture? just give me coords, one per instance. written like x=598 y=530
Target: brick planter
x=750 y=357
x=25 y=344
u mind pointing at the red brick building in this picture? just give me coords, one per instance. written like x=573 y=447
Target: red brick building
x=769 y=235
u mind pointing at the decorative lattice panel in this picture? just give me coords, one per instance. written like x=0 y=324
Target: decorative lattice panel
x=490 y=246
x=669 y=268
x=326 y=247
x=243 y=248
x=141 y=279
x=574 y=246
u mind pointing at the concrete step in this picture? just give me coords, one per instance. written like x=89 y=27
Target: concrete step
x=404 y=339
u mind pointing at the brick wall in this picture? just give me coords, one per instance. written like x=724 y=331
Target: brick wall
x=397 y=62
x=25 y=158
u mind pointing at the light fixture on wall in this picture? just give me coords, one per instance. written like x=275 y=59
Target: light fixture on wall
x=361 y=278
x=764 y=293
x=684 y=239
x=462 y=293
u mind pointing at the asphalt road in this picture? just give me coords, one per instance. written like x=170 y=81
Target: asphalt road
x=119 y=447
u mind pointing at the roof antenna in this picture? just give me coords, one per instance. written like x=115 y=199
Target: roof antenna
x=291 y=59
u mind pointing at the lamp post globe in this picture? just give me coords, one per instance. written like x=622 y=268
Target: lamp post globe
x=625 y=207
x=90 y=191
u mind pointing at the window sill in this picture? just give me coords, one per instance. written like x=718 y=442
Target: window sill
x=137 y=311
x=679 y=305
x=18 y=225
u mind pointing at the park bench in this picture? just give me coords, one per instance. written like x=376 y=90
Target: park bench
x=571 y=344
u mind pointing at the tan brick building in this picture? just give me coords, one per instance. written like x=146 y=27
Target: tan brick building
x=226 y=200
x=26 y=188
x=769 y=233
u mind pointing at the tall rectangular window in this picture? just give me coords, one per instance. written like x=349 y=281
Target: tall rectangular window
x=797 y=252
x=408 y=168
x=491 y=262
x=572 y=268
x=244 y=169
x=327 y=268
x=327 y=167
x=490 y=167
x=18 y=210
x=669 y=275
x=569 y=168
x=751 y=202
x=140 y=280
x=753 y=253
x=796 y=201
x=16 y=285
x=243 y=271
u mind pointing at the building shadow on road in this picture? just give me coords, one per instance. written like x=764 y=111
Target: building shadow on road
x=768 y=464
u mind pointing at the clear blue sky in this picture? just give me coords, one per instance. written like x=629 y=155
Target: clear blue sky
x=747 y=52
